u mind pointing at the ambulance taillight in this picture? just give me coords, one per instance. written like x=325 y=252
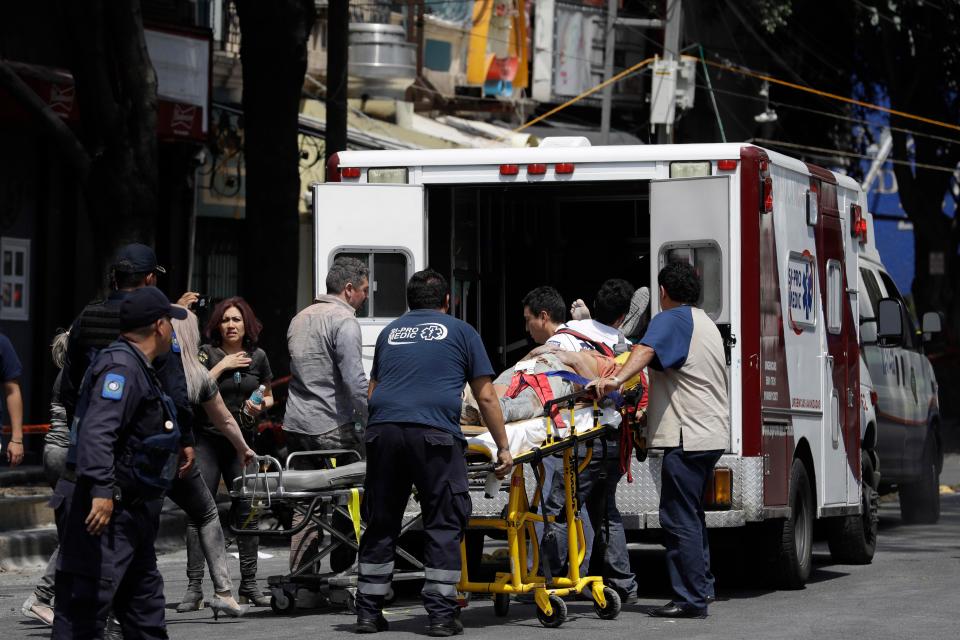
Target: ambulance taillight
x=858 y=224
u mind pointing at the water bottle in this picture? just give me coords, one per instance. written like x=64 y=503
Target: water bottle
x=255 y=398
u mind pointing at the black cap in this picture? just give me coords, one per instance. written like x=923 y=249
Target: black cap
x=146 y=305
x=137 y=258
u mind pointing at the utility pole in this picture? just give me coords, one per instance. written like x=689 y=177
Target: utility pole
x=671 y=53
x=338 y=27
x=610 y=43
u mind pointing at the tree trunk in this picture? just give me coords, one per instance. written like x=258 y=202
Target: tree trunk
x=274 y=55
x=117 y=96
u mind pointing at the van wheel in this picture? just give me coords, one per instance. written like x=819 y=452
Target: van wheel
x=793 y=536
x=920 y=500
x=853 y=539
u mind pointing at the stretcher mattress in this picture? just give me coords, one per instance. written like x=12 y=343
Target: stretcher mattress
x=306 y=481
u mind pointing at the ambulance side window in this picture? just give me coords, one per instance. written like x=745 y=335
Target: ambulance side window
x=873 y=295
x=834 y=311
x=388 y=282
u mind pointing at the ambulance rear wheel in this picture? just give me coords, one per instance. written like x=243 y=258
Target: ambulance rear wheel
x=557 y=616
x=853 y=539
x=501 y=605
x=793 y=536
x=613 y=605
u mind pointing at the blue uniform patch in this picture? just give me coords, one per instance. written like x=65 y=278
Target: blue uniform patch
x=113 y=386
x=175 y=346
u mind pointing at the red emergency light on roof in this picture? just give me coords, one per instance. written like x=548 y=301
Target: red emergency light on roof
x=509 y=169
x=564 y=168
x=726 y=165
x=767 y=194
x=350 y=172
x=536 y=169
x=858 y=224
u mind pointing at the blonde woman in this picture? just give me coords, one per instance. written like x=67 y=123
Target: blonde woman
x=191 y=493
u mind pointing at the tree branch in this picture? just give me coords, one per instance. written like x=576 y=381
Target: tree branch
x=54 y=125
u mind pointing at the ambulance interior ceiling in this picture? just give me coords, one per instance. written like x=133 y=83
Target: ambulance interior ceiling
x=495 y=243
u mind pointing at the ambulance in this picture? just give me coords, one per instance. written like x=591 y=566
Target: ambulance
x=778 y=244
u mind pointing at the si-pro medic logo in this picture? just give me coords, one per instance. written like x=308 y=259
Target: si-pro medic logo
x=425 y=331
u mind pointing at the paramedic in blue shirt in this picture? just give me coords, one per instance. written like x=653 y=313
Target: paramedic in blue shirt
x=421 y=364
x=124 y=447
x=689 y=419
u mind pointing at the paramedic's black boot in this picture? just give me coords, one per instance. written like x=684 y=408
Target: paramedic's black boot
x=678 y=610
x=371 y=625
x=445 y=627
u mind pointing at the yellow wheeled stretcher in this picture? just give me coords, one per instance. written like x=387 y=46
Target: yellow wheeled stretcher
x=520 y=518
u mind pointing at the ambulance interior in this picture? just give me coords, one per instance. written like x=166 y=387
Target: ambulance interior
x=498 y=242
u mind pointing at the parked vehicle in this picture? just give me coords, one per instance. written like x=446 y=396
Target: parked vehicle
x=908 y=443
x=777 y=242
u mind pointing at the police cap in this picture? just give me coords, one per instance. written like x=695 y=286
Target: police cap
x=146 y=305
x=137 y=258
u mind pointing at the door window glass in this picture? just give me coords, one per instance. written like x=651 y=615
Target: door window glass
x=707 y=261
x=868 y=303
x=388 y=282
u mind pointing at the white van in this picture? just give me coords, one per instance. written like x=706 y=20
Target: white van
x=908 y=440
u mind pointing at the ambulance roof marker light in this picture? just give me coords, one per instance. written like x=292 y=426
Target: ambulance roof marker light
x=564 y=168
x=858 y=224
x=509 y=169
x=350 y=172
x=726 y=165
x=766 y=184
x=536 y=169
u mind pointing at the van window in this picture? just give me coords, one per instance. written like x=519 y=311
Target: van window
x=707 y=261
x=388 y=282
x=910 y=337
x=834 y=296
x=873 y=295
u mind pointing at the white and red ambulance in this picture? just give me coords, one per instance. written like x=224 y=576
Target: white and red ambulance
x=777 y=241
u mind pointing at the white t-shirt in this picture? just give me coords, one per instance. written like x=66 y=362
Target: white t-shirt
x=590 y=328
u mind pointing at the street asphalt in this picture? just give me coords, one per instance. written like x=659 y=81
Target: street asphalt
x=912 y=590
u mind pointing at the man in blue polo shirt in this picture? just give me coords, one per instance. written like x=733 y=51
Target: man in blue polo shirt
x=689 y=419
x=421 y=364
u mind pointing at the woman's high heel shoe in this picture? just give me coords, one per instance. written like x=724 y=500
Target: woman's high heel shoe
x=226 y=605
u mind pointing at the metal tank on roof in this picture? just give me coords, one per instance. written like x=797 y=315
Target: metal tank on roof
x=382 y=64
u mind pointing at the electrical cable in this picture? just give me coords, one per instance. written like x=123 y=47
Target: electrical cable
x=849 y=154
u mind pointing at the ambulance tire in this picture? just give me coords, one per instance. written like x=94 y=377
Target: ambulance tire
x=853 y=539
x=795 y=534
x=920 y=500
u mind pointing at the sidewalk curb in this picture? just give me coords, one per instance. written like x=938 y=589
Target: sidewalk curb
x=31 y=548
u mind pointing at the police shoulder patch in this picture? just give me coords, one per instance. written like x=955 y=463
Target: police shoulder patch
x=113 y=386
x=175 y=344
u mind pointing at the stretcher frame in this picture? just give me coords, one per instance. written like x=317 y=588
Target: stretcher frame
x=519 y=525
x=317 y=508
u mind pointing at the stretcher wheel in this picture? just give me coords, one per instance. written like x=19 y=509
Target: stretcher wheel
x=390 y=597
x=612 y=610
x=283 y=601
x=501 y=604
x=558 y=616
x=351 y=602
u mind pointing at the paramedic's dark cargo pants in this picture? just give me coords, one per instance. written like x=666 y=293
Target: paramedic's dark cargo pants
x=401 y=455
x=683 y=478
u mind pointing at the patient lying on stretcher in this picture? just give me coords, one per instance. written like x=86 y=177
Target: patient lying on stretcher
x=523 y=389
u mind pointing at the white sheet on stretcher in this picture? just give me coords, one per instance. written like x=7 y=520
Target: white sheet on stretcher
x=524 y=435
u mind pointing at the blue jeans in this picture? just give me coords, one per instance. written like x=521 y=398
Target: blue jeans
x=683 y=479
x=597 y=492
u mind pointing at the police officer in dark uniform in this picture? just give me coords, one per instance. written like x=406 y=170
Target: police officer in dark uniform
x=421 y=364
x=98 y=325
x=124 y=449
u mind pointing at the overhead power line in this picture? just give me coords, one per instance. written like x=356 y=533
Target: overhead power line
x=848 y=154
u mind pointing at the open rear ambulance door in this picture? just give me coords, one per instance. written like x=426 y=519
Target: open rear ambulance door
x=382 y=225
x=690 y=221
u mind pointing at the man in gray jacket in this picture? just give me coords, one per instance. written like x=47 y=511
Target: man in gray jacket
x=328 y=388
